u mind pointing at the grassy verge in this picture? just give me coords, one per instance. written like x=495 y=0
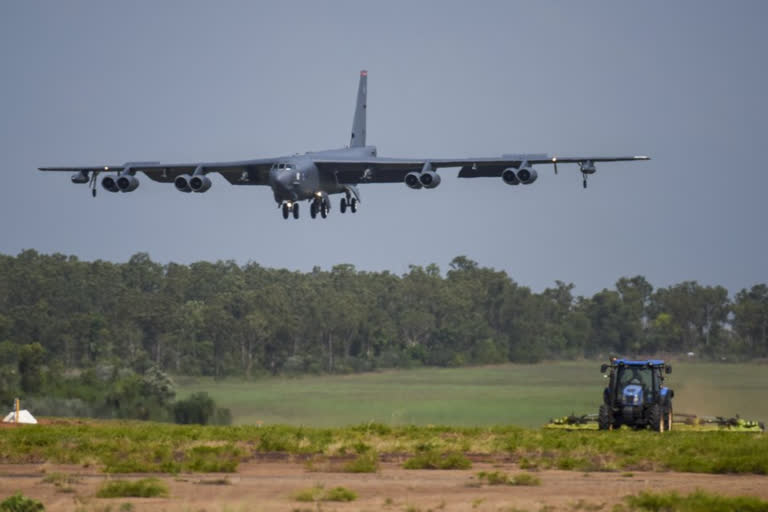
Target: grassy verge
x=319 y=493
x=698 y=501
x=499 y=478
x=144 y=488
x=122 y=447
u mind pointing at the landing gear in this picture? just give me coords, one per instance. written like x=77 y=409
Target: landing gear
x=92 y=183
x=290 y=208
x=320 y=205
x=350 y=202
x=584 y=182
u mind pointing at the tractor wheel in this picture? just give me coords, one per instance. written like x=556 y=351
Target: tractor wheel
x=668 y=419
x=656 y=418
x=605 y=418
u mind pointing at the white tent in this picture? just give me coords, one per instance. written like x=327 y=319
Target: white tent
x=24 y=417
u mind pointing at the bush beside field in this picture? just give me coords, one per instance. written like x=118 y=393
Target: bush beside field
x=128 y=447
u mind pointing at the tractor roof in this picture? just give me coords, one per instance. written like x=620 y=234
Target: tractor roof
x=629 y=362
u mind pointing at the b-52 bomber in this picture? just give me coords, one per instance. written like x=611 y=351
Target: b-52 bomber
x=316 y=175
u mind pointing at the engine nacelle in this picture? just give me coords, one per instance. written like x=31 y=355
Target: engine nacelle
x=109 y=183
x=588 y=167
x=526 y=175
x=429 y=179
x=200 y=183
x=80 y=177
x=182 y=183
x=127 y=183
x=509 y=177
x=412 y=180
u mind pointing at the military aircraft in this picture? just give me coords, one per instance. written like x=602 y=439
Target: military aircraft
x=315 y=175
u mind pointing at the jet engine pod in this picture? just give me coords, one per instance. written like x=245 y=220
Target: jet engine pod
x=412 y=180
x=127 y=183
x=109 y=183
x=509 y=177
x=80 y=177
x=182 y=183
x=526 y=175
x=588 y=167
x=430 y=179
x=200 y=183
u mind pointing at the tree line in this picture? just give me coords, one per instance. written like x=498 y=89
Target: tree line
x=224 y=319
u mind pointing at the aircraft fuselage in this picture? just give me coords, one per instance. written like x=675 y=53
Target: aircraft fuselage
x=297 y=178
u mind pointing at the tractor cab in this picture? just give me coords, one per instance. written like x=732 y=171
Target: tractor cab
x=636 y=395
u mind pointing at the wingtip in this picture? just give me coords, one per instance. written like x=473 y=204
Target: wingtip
x=642 y=157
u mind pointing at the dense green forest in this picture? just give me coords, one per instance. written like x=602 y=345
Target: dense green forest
x=108 y=334
x=225 y=319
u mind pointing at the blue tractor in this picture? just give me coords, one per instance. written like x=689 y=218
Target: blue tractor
x=636 y=395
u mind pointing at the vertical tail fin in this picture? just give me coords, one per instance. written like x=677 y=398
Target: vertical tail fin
x=358 y=123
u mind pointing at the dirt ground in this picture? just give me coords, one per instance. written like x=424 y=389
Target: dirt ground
x=270 y=486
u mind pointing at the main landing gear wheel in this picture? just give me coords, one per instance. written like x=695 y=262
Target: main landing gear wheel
x=343 y=205
x=313 y=209
x=286 y=210
x=295 y=210
x=353 y=205
x=324 y=210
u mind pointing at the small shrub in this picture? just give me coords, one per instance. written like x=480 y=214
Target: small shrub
x=364 y=463
x=144 y=488
x=525 y=479
x=199 y=408
x=499 y=478
x=126 y=507
x=339 y=494
x=317 y=493
x=62 y=481
x=20 y=503
x=307 y=495
x=433 y=460
x=494 y=478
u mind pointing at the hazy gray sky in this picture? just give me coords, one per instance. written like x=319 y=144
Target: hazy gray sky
x=93 y=82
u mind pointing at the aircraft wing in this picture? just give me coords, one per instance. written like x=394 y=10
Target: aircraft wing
x=393 y=170
x=246 y=172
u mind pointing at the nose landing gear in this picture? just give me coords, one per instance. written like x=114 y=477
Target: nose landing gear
x=290 y=208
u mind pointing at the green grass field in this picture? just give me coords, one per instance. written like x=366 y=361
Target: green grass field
x=524 y=395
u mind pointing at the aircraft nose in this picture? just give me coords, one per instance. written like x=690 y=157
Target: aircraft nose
x=284 y=182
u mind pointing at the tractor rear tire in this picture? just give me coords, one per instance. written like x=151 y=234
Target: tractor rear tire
x=656 y=418
x=668 y=418
x=605 y=418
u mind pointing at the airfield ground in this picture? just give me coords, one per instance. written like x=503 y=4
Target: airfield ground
x=263 y=464
x=270 y=485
